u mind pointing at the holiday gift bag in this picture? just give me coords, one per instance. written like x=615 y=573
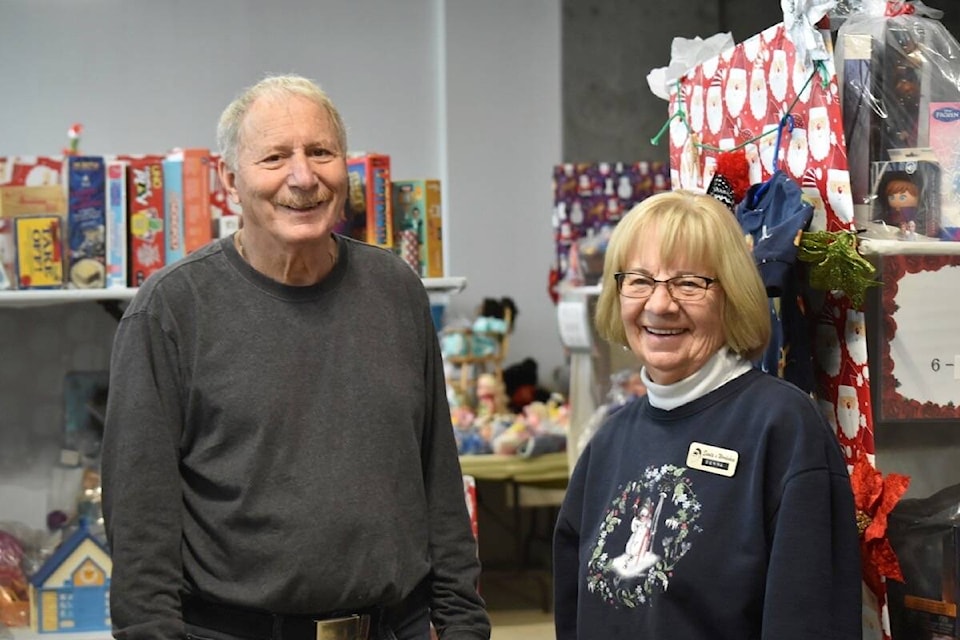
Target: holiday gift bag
x=768 y=99
x=782 y=109
x=739 y=98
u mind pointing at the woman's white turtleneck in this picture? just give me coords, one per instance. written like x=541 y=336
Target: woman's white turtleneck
x=721 y=368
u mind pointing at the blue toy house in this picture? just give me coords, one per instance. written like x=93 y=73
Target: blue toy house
x=71 y=590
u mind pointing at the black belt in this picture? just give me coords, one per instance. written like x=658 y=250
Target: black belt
x=263 y=625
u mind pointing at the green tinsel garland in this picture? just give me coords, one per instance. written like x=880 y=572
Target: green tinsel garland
x=836 y=265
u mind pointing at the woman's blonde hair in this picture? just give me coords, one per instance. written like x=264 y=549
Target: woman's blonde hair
x=228 y=128
x=694 y=226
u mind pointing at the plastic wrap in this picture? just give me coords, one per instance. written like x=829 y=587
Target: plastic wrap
x=900 y=90
x=800 y=18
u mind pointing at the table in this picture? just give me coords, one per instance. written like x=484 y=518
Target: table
x=548 y=471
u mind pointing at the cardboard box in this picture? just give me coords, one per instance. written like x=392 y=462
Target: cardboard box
x=146 y=220
x=116 y=188
x=418 y=212
x=369 y=208
x=18 y=200
x=31 y=171
x=224 y=226
x=39 y=243
x=8 y=255
x=945 y=141
x=197 y=216
x=86 y=222
x=220 y=202
x=173 y=208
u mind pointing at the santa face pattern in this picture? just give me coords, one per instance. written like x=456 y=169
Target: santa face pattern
x=801 y=81
x=736 y=91
x=31 y=171
x=767 y=148
x=758 y=92
x=797 y=153
x=747 y=91
x=741 y=95
x=838 y=195
x=828 y=349
x=818 y=133
x=696 y=109
x=778 y=75
x=848 y=411
x=714 y=109
x=856 y=336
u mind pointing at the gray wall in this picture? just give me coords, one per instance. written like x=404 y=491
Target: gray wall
x=462 y=90
x=609 y=46
x=465 y=91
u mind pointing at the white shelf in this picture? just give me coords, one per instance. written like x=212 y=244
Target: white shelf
x=877 y=247
x=25 y=633
x=445 y=285
x=42 y=297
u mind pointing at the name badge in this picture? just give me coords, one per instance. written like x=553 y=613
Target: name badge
x=705 y=457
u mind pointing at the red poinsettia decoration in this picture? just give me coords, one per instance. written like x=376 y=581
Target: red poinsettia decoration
x=875 y=497
x=73 y=133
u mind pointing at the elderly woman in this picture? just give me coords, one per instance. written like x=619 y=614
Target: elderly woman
x=718 y=505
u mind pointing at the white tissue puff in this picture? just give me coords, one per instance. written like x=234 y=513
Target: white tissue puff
x=685 y=54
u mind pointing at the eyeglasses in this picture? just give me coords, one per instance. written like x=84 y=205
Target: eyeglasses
x=686 y=288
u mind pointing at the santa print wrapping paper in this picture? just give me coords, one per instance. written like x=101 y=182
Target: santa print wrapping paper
x=739 y=98
x=31 y=171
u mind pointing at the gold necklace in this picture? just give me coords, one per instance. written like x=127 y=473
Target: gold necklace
x=240 y=243
x=333 y=253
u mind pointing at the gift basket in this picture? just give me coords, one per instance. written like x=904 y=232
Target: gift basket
x=899 y=71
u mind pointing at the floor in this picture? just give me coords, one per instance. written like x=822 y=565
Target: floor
x=519 y=601
x=516 y=602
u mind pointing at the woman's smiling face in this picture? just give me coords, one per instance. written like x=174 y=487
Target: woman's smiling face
x=673 y=340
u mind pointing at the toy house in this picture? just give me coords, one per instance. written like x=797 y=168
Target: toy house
x=71 y=590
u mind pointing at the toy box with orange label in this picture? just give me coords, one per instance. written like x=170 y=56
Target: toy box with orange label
x=369 y=208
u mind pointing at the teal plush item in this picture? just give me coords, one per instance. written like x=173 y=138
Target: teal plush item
x=453 y=344
x=487 y=324
x=483 y=345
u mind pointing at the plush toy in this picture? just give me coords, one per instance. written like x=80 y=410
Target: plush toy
x=521 y=385
x=504 y=308
x=491 y=398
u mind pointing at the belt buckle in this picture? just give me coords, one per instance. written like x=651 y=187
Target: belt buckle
x=355 y=627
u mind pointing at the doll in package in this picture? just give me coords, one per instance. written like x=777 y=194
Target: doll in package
x=899 y=72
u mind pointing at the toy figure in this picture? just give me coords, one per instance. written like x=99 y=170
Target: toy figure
x=903 y=196
x=539 y=428
x=89 y=502
x=491 y=398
